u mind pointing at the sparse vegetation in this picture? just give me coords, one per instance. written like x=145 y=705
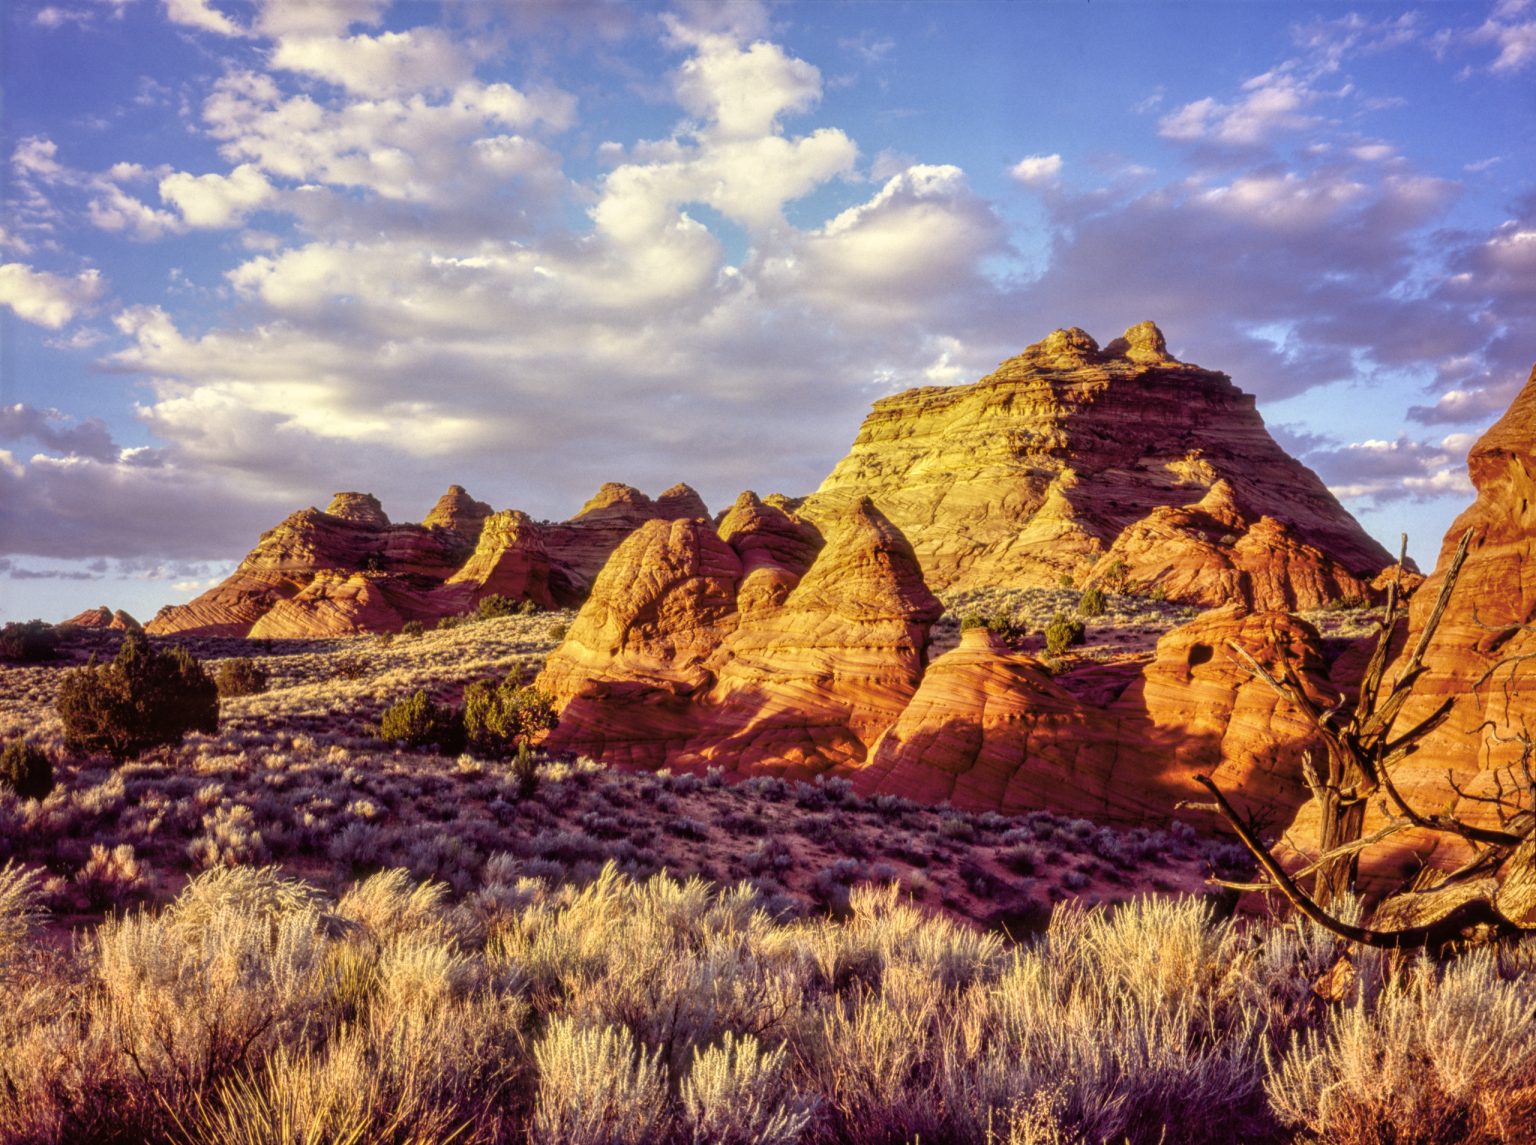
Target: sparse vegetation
x=240 y=677
x=26 y=770
x=145 y=698
x=28 y=641
x=1062 y=632
x=496 y=606
x=418 y=722
x=503 y=718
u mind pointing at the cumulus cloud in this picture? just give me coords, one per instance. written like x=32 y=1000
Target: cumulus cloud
x=57 y=431
x=214 y=200
x=1396 y=470
x=390 y=63
x=1275 y=102
x=47 y=299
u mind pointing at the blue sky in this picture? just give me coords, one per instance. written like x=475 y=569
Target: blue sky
x=254 y=253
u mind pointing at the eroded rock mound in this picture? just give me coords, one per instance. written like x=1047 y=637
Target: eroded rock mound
x=349 y=570
x=665 y=667
x=103 y=617
x=580 y=547
x=1041 y=468
x=510 y=560
x=989 y=729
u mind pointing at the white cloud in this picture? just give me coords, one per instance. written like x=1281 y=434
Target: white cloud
x=387 y=64
x=210 y=201
x=202 y=15
x=1037 y=170
x=1272 y=103
x=742 y=93
x=46 y=299
x=279 y=18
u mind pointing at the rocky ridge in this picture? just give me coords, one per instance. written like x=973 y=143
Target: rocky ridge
x=348 y=569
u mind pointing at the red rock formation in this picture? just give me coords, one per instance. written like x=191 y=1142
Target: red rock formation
x=776 y=548
x=1488 y=622
x=103 y=617
x=284 y=561
x=1038 y=469
x=634 y=659
x=1211 y=552
x=988 y=729
x=458 y=512
x=580 y=547
x=664 y=668
x=509 y=561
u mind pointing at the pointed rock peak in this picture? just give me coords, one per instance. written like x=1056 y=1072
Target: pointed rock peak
x=1068 y=347
x=1220 y=500
x=1142 y=343
x=508 y=524
x=681 y=501
x=458 y=511
x=99 y=617
x=359 y=508
x=615 y=495
x=124 y=622
x=867 y=566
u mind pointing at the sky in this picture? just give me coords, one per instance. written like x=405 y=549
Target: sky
x=253 y=253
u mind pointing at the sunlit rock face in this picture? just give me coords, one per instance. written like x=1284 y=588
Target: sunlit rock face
x=1080 y=461
x=349 y=569
x=781 y=646
x=990 y=729
x=1476 y=659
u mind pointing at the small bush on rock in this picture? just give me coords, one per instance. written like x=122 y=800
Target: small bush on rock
x=417 y=722
x=242 y=677
x=145 y=698
x=26 y=770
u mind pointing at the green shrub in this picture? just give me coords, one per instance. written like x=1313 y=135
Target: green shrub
x=26 y=770
x=28 y=640
x=499 y=719
x=242 y=677
x=449 y=623
x=1091 y=603
x=558 y=632
x=525 y=769
x=1061 y=633
x=417 y=722
x=411 y=628
x=1116 y=575
x=495 y=606
x=143 y=699
x=972 y=620
x=349 y=667
x=1157 y=592
x=527 y=608
x=1066 y=581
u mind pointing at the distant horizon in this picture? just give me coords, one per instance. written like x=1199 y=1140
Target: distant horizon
x=277 y=249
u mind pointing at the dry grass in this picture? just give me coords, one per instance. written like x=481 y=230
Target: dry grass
x=284 y=933
x=255 y=1009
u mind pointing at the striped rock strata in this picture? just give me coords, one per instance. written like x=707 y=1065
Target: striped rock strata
x=1120 y=462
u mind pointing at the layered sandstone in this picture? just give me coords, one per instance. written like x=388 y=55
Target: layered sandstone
x=763 y=649
x=349 y=570
x=510 y=560
x=1041 y=468
x=989 y=729
x=103 y=617
x=580 y=547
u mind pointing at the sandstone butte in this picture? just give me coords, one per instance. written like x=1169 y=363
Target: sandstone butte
x=1102 y=465
x=1482 y=658
x=349 y=569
